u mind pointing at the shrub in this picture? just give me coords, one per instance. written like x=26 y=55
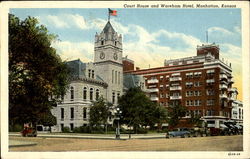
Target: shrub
x=16 y=128
x=142 y=131
x=66 y=129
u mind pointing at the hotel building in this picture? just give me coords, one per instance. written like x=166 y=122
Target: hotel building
x=201 y=83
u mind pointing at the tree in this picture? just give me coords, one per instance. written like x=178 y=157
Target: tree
x=47 y=119
x=37 y=75
x=195 y=120
x=138 y=110
x=99 y=113
x=175 y=113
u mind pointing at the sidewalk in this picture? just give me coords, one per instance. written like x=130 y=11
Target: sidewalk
x=96 y=136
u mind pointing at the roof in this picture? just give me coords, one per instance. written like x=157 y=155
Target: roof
x=109 y=30
x=77 y=68
x=130 y=80
x=78 y=71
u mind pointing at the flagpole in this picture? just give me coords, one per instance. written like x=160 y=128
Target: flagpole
x=108 y=15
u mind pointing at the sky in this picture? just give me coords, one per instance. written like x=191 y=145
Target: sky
x=149 y=35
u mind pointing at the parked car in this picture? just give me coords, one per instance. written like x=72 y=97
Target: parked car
x=199 y=132
x=182 y=132
x=29 y=131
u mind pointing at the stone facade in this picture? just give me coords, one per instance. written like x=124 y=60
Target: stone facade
x=89 y=81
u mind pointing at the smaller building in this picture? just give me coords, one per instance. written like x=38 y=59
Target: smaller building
x=237 y=108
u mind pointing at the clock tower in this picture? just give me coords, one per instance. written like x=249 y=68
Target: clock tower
x=108 y=61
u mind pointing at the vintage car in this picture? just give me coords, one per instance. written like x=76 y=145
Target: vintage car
x=181 y=132
x=29 y=132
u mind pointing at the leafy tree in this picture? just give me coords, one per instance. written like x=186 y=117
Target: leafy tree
x=195 y=120
x=138 y=110
x=175 y=113
x=37 y=75
x=47 y=119
x=99 y=112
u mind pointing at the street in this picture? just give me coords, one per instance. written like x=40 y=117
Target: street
x=214 y=143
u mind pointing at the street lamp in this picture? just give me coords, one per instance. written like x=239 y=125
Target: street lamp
x=118 y=113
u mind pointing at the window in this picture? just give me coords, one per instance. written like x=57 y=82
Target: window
x=84 y=93
x=197 y=74
x=191 y=103
x=210 y=81
x=210 y=71
x=93 y=74
x=62 y=126
x=113 y=97
x=102 y=42
x=115 y=43
x=71 y=93
x=115 y=76
x=197 y=84
x=189 y=75
x=84 y=113
x=197 y=102
x=210 y=92
x=112 y=76
x=162 y=95
x=187 y=103
x=71 y=126
x=210 y=112
x=62 y=113
x=210 y=102
x=189 y=84
x=196 y=93
x=97 y=94
x=118 y=77
x=72 y=113
x=189 y=93
x=118 y=95
x=89 y=73
x=91 y=94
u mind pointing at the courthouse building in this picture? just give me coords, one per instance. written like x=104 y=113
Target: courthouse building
x=89 y=81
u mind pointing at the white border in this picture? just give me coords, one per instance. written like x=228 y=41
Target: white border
x=4 y=8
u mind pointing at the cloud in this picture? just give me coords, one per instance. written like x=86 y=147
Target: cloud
x=64 y=21
x=219 y=30
x=56 y=21
x=237 y=29
x=74 y=50
x=222 y=35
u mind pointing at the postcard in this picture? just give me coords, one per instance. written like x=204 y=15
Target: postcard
x=125 y=79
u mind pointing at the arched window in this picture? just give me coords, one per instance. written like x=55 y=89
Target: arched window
x=89 y=73
x=84 y=113
x=84 y=93
x=91 y=94
x=118 y=95
x=93 y=74
x=97 y=94
x=113 y=97
x=71 y=93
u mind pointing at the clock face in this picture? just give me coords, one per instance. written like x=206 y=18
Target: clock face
x=115 y=56
x=102 y=55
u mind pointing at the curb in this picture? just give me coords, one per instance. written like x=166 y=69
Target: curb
x=22 y=145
